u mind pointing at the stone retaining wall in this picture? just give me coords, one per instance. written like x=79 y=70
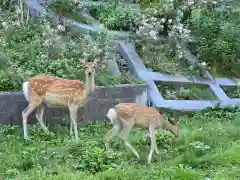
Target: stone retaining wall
x=12 y=105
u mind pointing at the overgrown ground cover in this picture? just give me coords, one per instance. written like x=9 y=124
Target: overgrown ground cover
x=209 y=146
x=42 y=48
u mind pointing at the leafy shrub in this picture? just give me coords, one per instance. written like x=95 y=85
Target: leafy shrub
x=114 y=17
x=148 y=3
x=5 y=4
x=97 y=160
x=68 y=9
x=118 y=19
x=199 y=148
x=219 y=34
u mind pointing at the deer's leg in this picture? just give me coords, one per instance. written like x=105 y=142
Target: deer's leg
x=113 y=132
x=156 y=148
x=73 y=113
x=71 y=128
x=152 y=131
x=25 y=115
x=124 y=133
x=39 y=116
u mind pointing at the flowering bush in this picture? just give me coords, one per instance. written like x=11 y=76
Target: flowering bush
x=156 y=26
x=219 y=39
x=190 y=21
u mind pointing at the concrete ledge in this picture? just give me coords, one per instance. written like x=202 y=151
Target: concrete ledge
x=12 y=105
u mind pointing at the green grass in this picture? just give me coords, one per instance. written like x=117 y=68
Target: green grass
x=209 y=146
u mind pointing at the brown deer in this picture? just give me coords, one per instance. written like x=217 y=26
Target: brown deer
x=124 y=115
x=52 y=91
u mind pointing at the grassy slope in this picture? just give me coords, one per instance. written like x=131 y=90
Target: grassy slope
x=57 y=156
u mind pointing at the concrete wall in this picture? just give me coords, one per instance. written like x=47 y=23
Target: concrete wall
x=12 y=105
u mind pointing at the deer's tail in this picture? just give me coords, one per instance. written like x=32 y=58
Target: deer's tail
x=112 y=115
x=26 y=90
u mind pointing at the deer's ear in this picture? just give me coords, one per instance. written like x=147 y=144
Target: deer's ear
x=172 y=121
x=84 y=67
x=100 y=57
x=97 y=61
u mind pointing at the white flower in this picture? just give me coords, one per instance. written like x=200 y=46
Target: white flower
x=184 y=7
x=153 y=19
x=204 y=63
x=214 y=2
x=152 y=33
x=190 y=3
x=48 y=27
x=138 y=32
x=45 y=34
x=205 y=2
x=163 y=20
x=180 y=56
x=170 y=20
x=18 y=11
x=171 y=34
x=60 y=28
x=161 y=27
x=186 y=31
x=155 y=37
x=4 y=24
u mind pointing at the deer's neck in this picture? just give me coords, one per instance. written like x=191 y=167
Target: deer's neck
x=170 y=127
x=90 y=84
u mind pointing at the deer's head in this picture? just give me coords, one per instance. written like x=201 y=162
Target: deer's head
x=90 y=66
x=175 y=128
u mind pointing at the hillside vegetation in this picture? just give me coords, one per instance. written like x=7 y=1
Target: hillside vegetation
x=165 y=32
x=178 y=37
